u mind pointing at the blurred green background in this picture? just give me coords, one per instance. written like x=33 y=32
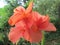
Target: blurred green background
x=50 y=7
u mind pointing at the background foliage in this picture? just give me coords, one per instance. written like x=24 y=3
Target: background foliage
x=50 y=7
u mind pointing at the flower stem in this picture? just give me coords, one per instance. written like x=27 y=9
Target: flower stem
x=43 y=39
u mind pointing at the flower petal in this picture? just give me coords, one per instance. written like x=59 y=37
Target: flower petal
x=32 y=18
x=17 y=16
x=43 y=22
x=36 y=16
x=20 y=24
x=26 y=35
x=15 y=34
x=32 y=36
x=29 y=21
x=50 y=27
x=19 y=9
x=35 y=36
x=29 y=8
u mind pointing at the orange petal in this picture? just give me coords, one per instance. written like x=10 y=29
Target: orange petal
x=32 y=36
x=21 y=24
x=26 y=35
x=32 y=18
x=29 y=8
x=50 y=27
x=19 y=9
x=15 y=34
x=43 y=22
x=35 y=37
x=28 y=21
x=18 y=15
x=15 y=18
x=36 y=16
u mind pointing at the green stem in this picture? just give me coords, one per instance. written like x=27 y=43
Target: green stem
x=43 y=39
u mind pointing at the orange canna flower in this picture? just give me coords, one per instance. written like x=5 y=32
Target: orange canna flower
x=28 y=24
